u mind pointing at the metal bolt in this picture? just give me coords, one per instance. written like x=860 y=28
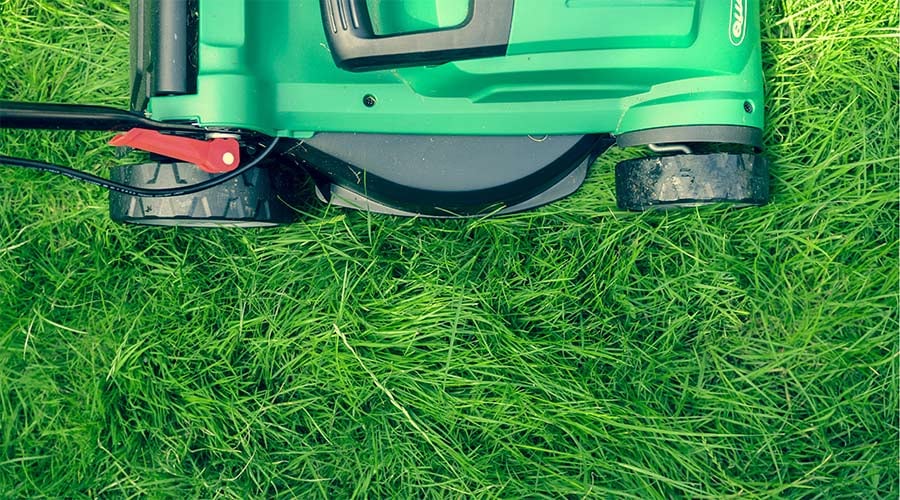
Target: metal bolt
x=369 y=100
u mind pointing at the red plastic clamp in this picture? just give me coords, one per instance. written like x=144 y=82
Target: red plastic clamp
x=216 y=156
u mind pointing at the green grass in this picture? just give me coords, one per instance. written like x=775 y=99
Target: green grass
x=571 y=351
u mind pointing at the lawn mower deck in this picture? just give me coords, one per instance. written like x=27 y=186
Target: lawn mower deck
x=439 y=108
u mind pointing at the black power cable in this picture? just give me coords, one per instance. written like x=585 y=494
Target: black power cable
x=136 y=191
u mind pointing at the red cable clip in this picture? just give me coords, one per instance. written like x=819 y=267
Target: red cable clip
x=215 y=157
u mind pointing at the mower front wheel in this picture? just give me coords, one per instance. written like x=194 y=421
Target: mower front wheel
x=257 y=198
x=690 y=180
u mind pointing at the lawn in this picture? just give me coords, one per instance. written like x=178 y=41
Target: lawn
x=571 y=351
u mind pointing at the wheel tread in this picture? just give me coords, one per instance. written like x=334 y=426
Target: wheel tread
x=249 y=199
x=695 y=179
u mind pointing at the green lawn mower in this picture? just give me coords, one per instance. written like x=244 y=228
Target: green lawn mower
x=436 y=108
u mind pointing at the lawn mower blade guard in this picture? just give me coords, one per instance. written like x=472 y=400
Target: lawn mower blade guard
x=447 y=176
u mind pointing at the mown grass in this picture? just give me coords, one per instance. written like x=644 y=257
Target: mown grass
x=571 y=351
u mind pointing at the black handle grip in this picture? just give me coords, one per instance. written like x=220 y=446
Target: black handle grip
x=356 y=47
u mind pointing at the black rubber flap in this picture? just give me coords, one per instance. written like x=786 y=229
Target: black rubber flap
x=441 y=174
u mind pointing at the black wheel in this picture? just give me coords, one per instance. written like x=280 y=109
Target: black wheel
x=692 y=180
x=257 y=198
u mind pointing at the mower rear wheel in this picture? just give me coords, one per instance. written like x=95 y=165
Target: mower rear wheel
x=256 y=198
x=690 y=180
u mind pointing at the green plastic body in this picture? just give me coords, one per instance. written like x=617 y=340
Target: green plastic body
x=572 y=67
